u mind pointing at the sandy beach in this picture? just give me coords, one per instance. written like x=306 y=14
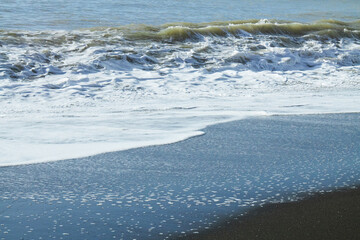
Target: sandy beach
x=334 y=215
x=193 y=188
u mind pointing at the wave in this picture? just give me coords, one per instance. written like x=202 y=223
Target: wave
x=243 y=45
x=191 y=31
x=324 y=28
x=194 y=31
x=111 y=86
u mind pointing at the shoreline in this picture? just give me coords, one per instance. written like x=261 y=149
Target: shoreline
x=330 y=215
x=159 y=192
x=196 y=132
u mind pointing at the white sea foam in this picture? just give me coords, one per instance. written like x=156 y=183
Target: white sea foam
x=73 y=94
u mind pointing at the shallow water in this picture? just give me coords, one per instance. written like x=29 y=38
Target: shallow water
x=77 y=79
x=162 y=191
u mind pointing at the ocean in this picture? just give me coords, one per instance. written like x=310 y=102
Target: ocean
x=78 y=78
x=91 y=78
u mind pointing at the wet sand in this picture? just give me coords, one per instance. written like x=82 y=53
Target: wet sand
x=334 y=215
x=159 y=192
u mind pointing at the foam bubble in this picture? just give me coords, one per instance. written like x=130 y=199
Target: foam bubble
x=72 y=94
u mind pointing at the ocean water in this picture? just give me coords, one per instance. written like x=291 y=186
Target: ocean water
x=79 y=78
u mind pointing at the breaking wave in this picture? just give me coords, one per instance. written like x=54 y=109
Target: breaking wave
x=120 y=87
x=253 y=44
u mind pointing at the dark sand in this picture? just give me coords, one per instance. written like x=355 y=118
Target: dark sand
x=159 y=192
x=334 y=215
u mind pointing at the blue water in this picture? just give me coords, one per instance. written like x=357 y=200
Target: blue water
x=69 y=14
